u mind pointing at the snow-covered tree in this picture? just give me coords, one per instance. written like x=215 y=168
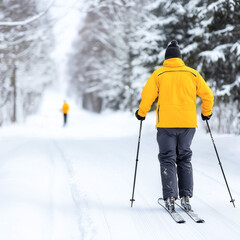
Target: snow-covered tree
x=101 y=67
x=24 y=56
x=215 y=52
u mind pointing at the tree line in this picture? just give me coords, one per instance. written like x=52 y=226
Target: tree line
x=118 y=45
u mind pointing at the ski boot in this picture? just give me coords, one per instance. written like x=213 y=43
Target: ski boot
x=170 y=204
x=185 y=203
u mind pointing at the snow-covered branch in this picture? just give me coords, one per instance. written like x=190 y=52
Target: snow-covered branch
x=29 y=20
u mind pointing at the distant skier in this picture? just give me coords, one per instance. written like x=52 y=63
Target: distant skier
x=65 y=109
x=176 y=87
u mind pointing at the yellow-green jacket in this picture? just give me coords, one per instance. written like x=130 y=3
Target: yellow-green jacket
x=176 y=87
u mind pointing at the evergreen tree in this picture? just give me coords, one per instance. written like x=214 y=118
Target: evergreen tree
x=216 y=56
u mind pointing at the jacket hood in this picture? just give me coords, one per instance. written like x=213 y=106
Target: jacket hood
x=173 y=62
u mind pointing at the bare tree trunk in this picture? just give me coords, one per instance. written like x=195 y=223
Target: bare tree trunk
x=92 y=102
x=14 y=93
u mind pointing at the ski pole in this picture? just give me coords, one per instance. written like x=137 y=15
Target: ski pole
x=135 y=172
x=232 y=200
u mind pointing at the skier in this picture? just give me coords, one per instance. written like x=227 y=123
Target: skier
x=65 y=109
x=176 y=87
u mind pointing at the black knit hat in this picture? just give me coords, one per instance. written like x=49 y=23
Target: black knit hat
x=173 y=50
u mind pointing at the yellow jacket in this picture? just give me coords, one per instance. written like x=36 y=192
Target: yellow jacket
x=176 y=87
x=65 y=108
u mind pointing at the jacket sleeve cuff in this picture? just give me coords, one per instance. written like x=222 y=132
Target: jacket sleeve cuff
x=206 y=113
x=141 y=113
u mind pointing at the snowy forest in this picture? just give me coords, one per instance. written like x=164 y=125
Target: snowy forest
x=119 y=43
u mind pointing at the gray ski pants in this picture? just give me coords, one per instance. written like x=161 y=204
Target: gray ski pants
x=175 y=161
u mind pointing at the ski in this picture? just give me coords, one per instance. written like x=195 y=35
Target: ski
x=194 y=216
x=174 y=214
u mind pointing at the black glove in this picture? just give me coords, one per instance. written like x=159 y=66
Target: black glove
x=139 y=117
x=205 y=117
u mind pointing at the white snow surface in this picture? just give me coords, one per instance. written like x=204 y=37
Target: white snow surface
x=75 y=183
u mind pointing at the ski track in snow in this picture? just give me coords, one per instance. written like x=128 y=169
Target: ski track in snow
x=78 y=196
x=66 y=184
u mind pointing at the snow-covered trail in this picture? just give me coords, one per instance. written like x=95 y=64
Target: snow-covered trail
x=35 y=199
x=76 y=182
